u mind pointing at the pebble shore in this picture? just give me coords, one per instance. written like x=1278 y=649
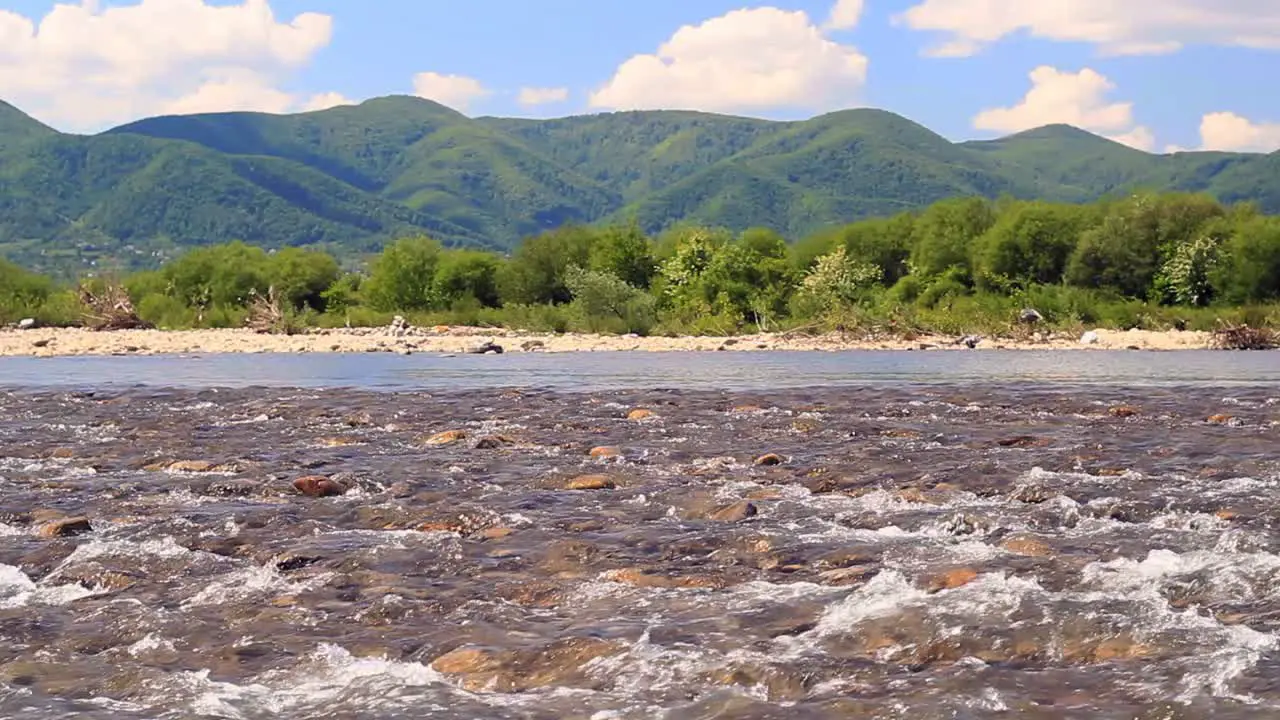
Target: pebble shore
x=50 y=342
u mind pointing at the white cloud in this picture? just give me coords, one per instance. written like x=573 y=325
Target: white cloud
x=530 y=96
x=1229 y=131
x=1117 y=27
x=324 y=101
x=83 y=67
x=456 y=91
x=1077 y=99
x=756 y=59
x=845 y=15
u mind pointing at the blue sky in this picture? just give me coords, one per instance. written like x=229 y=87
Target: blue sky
x=1150 y=76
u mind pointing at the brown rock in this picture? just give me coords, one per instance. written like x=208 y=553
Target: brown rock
x=902 y=434
x=640 y=414
x=1122 y=411
x=847 y=575
x=473 y=662
x=465 y=523
x=532 y=593
x=780 y=684
x=318 y=486
x=591 y=482
x=340 y=442
x=736 y=512
x=765 y=493
x=447 y=437
x=951 y=579
x=638 y=577
x=557 y=664
x=191 y=466
x=64 y=527
x=769 y=459
x=1025 y=545
x=605 y=451
x=1094 y=650
x=915 y=496
x=1023 y=441
x=746 y=409
x=805 y=426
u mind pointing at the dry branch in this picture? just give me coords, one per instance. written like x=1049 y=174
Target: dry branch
x=110 y=310
x=266 y=314
x=1243 y=337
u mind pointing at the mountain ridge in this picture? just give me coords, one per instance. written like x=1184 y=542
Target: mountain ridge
x=352 y=177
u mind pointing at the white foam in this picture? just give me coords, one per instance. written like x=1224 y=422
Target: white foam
x=250 y=582
x=18 y=590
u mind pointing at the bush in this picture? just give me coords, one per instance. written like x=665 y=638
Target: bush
x=605 y=303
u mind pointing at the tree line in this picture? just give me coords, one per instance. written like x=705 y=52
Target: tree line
x=960 y=265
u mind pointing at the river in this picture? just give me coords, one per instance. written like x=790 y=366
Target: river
x=624 y=536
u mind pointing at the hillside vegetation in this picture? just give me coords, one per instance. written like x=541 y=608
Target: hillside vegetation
x=349 y=179
x=961 y=265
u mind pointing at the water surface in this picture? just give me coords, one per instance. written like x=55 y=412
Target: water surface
x=938 y=535
x=606 y=370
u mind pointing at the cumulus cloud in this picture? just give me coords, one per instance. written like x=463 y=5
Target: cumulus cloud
x=1117 y=28
x=82 y=67
x=1231 y=132
x=456 y=91
x=1077 y=99
x=755 y=59
x=845 y=15
x=531 y=96
x=324 y=101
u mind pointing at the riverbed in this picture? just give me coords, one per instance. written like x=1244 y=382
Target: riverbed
x=810 y=536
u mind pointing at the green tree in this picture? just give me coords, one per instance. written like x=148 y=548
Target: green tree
x=835 y=284
x=535 y=274
x=403 y=276
x=22 y=293
x=301 y=276
x=625 y=252
x=604 y=302
x=882 y=242
x=343 y=294
x=1250 y=267
x=943 y=235
x=218 y=276
x=464 y=275
x=1030 y=243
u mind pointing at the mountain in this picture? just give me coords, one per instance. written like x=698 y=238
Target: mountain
x=350 y=178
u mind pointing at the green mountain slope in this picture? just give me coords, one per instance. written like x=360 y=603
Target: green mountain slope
x=350 y=178
x=843 y=165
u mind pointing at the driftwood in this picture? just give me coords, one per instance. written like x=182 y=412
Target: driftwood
x=266 y=314
x=1243 y=337
x=110 y=310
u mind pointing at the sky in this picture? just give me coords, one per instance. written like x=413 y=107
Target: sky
x=1162 y=75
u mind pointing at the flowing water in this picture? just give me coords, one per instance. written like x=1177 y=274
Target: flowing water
x=915 y=545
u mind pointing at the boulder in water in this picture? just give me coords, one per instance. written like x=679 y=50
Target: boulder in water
x=736 y=512
x=65 y=527
x=318 y=486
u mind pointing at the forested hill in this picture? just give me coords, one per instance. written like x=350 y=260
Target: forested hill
x=349 y=178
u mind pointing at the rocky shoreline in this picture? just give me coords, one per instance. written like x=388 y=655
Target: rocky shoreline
x=51 y=342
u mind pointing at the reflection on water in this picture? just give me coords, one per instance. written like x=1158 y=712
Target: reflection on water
x=600 y=371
